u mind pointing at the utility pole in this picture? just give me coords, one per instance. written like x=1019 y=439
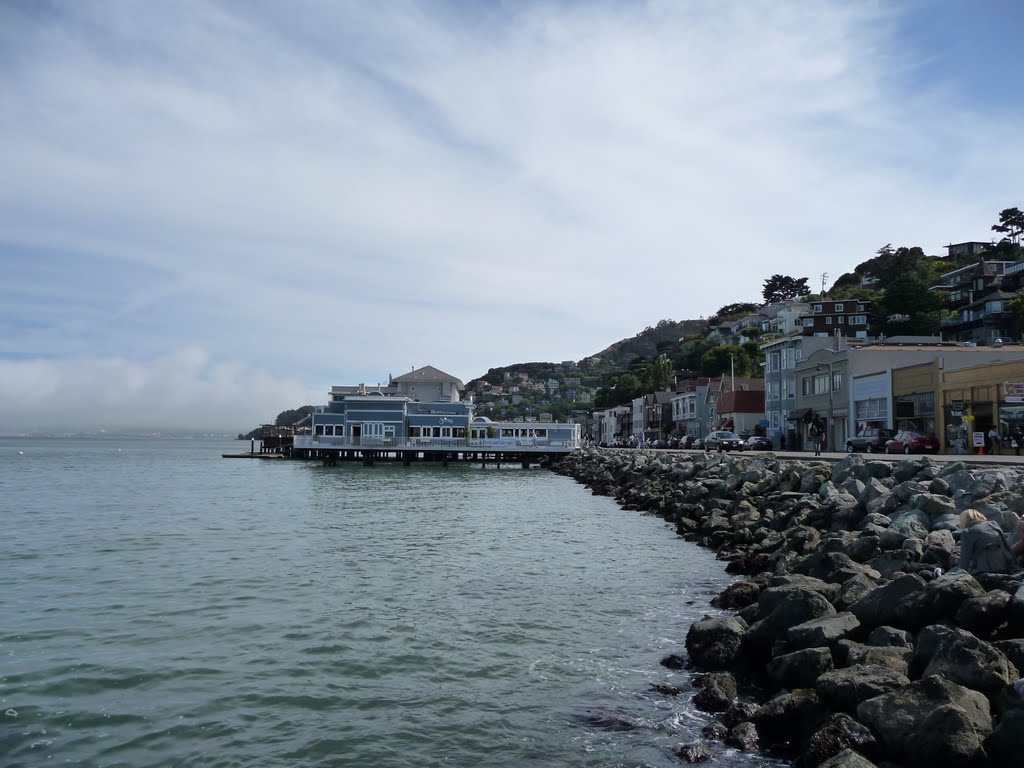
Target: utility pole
x=824 y=276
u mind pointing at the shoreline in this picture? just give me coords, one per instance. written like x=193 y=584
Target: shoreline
x=850 y=624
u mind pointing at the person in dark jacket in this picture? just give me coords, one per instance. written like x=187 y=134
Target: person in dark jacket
x=983 y=545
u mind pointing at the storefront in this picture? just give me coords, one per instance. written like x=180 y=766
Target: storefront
x=913 y=394
x=978 y=398
x=871 y=397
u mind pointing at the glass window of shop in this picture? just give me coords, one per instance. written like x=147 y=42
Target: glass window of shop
x=1011 y=417
x=916 y=413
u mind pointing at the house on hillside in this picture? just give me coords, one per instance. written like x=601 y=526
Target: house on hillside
x=975 y=300
x=845 y=317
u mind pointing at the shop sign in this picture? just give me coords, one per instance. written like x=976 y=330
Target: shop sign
x=1013 y=391
x=978 y=439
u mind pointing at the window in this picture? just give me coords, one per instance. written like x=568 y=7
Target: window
x=858 y=320
x=828 y=321
x=839 y=308
x=860 y=307
x=806 y=386
x=820 y=383
x=817 y=309
x=841 y=319
x=788 y=386
x=837 y=381
x=808 y=322
x=773 y=362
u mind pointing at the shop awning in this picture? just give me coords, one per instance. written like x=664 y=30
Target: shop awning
x=723 y=424
x=798 y=414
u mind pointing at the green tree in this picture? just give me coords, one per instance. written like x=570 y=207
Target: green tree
x=782 y=287
x=1011 y=225
x=910 y=299
x=659 y=373
x=720 y=360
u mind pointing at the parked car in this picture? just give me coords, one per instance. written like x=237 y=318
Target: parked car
x=871 y=439
x=723 y=441
x=912 y=442
x=758 y=443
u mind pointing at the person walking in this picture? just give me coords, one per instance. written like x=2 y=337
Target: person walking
x=1018 y=437
x=815 y=434
x=993 y=436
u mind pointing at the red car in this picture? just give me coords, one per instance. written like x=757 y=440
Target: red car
x=912 y=442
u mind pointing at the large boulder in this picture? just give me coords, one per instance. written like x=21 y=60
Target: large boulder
x=716 y=692
x=848 y=758
x=790 y=718
x=825 y=631
x=948 y=737
x=887 y=604
x=973 y=663
x=985 y=614
x=940 y=600
x=799 y=669
x=844 y=689
x=900 y=718
x=909 y=524
x=716 y=643
x=798 y=606
x=1005 y=745
x=840 y=732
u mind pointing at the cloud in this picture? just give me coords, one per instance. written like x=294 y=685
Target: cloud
x=332 y=192
x=183 y=391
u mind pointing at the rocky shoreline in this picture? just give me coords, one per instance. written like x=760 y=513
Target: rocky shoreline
x=851 y=628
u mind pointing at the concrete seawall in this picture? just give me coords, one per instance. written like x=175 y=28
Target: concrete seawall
x=853 y=638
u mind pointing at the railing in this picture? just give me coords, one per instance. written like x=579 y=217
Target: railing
x=332 y=442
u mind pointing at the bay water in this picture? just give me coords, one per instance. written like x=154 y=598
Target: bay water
x=163 y=606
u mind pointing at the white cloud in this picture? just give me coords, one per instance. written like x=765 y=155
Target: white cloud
x=333 y=192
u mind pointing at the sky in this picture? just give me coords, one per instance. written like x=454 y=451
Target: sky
x=211 y=212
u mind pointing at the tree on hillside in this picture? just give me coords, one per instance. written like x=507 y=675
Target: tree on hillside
x=659 y=373
x=1011 y=225
x=288 y=418
x=912 y=299
x=739 y=309
x=690 y=353
x=782 y=287
x=720 y=360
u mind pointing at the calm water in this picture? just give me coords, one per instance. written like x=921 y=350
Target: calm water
x=162 y=606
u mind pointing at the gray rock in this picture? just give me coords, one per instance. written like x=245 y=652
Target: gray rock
x=948 y=736
x=1005 y=745
x=854 y=589
x=905 y=491
x=932 y=504
x=824 y=631
x=890 y=636
x=886 y=605
x=910 y=523
x=717 y=691
x=799 y=669
x=795 y=608
x=985 y=614
x=837 y=734
x=897 y=717
x=939 y=548
x=891 y=562
x=848 y=759
x=849 y=653
x=844 y=689
x=694 y=753
x=743 y=737
x=940 y=600
x=972 y=663
x=716 y=643
x=781 y=585
x=1013 y=650
x=790 y=718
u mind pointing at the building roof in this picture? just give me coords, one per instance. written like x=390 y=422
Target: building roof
x=427 y=373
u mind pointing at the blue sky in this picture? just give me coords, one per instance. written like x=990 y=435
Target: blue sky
x=212 y=212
